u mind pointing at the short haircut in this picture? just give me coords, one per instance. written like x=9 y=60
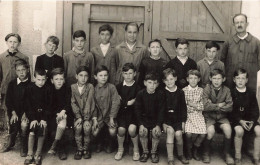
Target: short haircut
x=106 y=27
x=216 y=72
x=132 y=24
x=57 y=71
x=169 y=71
x=13 y=35
x=212 y=44
x=55 y=40
x=79 y=33
x=240 y=71
x=21 y=62
x=40 y=72
x=194 y=72
x=81 y=69
x=181 y=41
x=239 y=14
x=128 y=66
x=155 y=40
x=151 y=76
x=101 y=68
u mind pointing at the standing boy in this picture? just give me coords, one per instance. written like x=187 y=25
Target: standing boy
x=149 y=109
x=209 y=63
x=182 y=63
x=15 y=107
x=105 y=52
x=218 y=103
x=77 y=57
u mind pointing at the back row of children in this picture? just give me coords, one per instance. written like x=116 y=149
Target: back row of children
x=94 y=116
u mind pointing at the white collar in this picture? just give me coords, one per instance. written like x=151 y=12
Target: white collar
x=80 y=88
x=191 y=88
x=128 y=85
x=183 y=60
x=19 y=81
x=105 y=45
x=241 y=90
x=131 y=47
x=175 y=89
x=242 y=38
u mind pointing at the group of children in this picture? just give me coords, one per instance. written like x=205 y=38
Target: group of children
x=105 y=97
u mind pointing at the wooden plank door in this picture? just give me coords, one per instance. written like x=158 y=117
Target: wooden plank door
x=89 y=16
x=197 y=21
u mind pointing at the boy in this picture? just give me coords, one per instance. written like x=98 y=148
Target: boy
x=129 y=51
x=218 y=103
x=15 y=107
x=7 y=68
x=153 y=63
x=83 y=106
x=175 y=116
x=105 y=52
x=149 y=110
x=107 y=105
x=182 y=63
x=50 y=60
x=37 y=100
x=77 y=57
x=126 y=117
x=209 y=63
x=60 y=115
x=244 y=115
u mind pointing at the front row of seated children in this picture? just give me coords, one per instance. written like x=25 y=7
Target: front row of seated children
x=36 y=108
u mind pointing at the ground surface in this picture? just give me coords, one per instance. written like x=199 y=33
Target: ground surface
x=13 y=157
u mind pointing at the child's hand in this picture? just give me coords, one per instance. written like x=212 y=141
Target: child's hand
x=143 y=130
x=165 y=126
x=244 y=124
x=131 y=102
x=33 y=124
x=43 y=123
x=111 y=122
x=14 y=118
x=157 y=130
x=78 y=122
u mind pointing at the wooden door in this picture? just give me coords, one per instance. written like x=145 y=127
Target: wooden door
x=89 y=16
x=197 y=21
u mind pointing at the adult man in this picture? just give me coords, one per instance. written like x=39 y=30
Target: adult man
x=242 y=50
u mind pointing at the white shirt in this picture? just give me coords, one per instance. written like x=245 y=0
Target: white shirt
x=242 y=38
x=19 y=81
x=80 y=89
x=183 y=60
x=104 y=48
x=241 y=90
x=131 y=47
x=128 y=85
x=171 y=90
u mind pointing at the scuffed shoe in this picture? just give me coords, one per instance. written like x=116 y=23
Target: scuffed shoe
x=144 y=157
x=78 y=155
x=183 y=159
x=155 y=157
x=38 y=159
x=28 y=160
x=86 y=154
x=229 y=160
x=136 y=156
x=171 y=162
x=119 y=155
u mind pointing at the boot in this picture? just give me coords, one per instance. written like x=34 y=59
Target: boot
x=227 y=146
x=109 y=148
x=23 y=149
x=188 y=148
x=206 y=150
x=10 y=143
x=195 y=153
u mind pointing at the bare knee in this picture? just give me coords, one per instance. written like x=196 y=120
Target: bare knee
x=170 y=132
x=239 y=131
x=257 y=131
x=62 y=124
x=178 y=135
x=132 y=130
x=226 y=129
x=210 y=132
x=112 y=132
x=24 y=125
x=121 y=131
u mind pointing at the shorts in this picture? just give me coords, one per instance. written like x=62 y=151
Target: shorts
x=211 y=121
x=38 y=130
x=250 y=131
x=175 y=126
x=126 y=117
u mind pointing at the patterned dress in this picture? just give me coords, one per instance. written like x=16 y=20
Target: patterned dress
x=195 y=120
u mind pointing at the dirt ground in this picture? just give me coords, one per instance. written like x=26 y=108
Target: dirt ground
x=13 y=157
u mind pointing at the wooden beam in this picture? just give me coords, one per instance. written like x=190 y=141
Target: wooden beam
x=168 y=48
x=86 y=24
x=116 y=3
x=217 y=15
x=67 y=33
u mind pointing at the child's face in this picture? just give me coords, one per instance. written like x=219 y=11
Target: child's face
x=79 y=43
x=131 y=34
x=151 y=85
x=102 y=77
x=58 y=80
x=193 y=80
x=155 y=48
x=129 y=75
x=105 y=37
x=182 y=50
x=21 y=72
x=50 y=47
x=12 y=44
x=170 y=81
x=211 y=53
x=40 y=80
x=240 y=80
x=217 y=80
x=82 y=77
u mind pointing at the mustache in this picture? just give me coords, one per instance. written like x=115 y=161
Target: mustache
x=239 y=27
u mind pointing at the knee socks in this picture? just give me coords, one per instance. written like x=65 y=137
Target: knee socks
x=180 y=147
x=135 y=143
x=238 y=145
x=169 y=147
x=256 y=148
x=31 y=144
x=144 y=143
x=155 y=142
x=120 y=141
x=40 y=145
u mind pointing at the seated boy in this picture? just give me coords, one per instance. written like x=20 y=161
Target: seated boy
x=218 y=103
x=244 y=115
x=149 y=109
x=60 y=114
x=37 y=100
x=126 y=118
x=15 y=107
x=107 y=105
x=209 y=63
x=83 y=106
